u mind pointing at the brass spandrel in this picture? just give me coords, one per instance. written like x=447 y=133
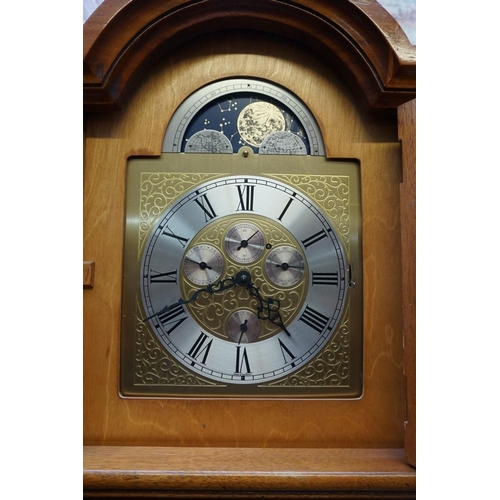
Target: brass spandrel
x=158 y=190
x=330 y=192
x=330 y=369
x=154 y=367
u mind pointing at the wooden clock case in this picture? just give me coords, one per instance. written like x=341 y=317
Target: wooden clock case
x=355 y=69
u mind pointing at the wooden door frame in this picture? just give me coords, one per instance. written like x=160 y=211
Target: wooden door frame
x=122 y=39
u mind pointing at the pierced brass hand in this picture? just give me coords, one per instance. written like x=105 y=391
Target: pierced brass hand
x=268 y=309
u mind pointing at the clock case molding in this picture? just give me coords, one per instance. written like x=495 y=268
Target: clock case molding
x=360 y=60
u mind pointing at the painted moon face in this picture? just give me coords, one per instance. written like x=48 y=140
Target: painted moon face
x=259 y=119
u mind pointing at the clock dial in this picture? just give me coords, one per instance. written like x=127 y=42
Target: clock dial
x=244 y=242
x=243 y=326
x=285 y=266
x=203 y=264
x=296 y=311
x=227 y=115
x=242 y=262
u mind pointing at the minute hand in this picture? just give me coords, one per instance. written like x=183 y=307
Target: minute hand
x=268 y=309
x=220 y=286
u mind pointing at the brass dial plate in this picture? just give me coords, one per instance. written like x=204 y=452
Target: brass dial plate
x=150 y=366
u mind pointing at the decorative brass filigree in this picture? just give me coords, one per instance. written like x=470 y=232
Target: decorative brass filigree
x=158 y=190
x=330 y=368
x=213 y=311
x=154 y=367
x=331 y=193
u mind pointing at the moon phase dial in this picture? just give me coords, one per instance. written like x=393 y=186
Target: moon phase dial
x=226 y=115
x=244 y=242
x=259 y=119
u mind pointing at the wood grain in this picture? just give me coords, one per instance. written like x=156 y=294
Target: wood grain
x=122 y=39
x=147 y=57
x=246 y=473
x=374 y=420
x=88 y=274
x=407 y=132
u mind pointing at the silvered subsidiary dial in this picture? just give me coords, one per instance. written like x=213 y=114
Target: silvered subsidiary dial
x=263 y=313
x=244 y=242
x=243 y=326
x=285 y=266
x=203 y=264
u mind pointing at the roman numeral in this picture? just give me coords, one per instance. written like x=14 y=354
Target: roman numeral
x=286 y=208
x=314 y=319
x=246 y=195
x=170 y=317
x=314 y=238
x=199 y=348
x=285 y=351
x=168 y=277
x=325 y=279
x=206 y=206
x=242 y=357
x=170 y=234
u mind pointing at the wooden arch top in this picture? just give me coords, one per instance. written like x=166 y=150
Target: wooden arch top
x=360 y=39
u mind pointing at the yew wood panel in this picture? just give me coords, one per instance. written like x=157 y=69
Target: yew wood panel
x=374 y=421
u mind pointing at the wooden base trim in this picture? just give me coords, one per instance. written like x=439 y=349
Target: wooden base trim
x=156 y=472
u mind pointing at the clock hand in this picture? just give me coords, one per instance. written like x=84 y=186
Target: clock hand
x=268 y=309
x=243 y=329
x=203 y=265
x=244 y=243
x=286 y=266
x=241 y=279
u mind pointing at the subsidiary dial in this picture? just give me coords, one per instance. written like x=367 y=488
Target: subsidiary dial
x=243 y=326
x=244 y=242
x=203 y=264
x=285 y=266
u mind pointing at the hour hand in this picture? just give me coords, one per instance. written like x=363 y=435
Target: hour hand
x=220 y=286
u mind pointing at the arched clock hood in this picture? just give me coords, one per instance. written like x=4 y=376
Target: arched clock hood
x=361 y=40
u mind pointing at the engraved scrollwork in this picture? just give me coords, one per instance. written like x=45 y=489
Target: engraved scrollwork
x=154 y=367
x=330 y=368
x=213 y=310
x=331 y=192
x=158 y=190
